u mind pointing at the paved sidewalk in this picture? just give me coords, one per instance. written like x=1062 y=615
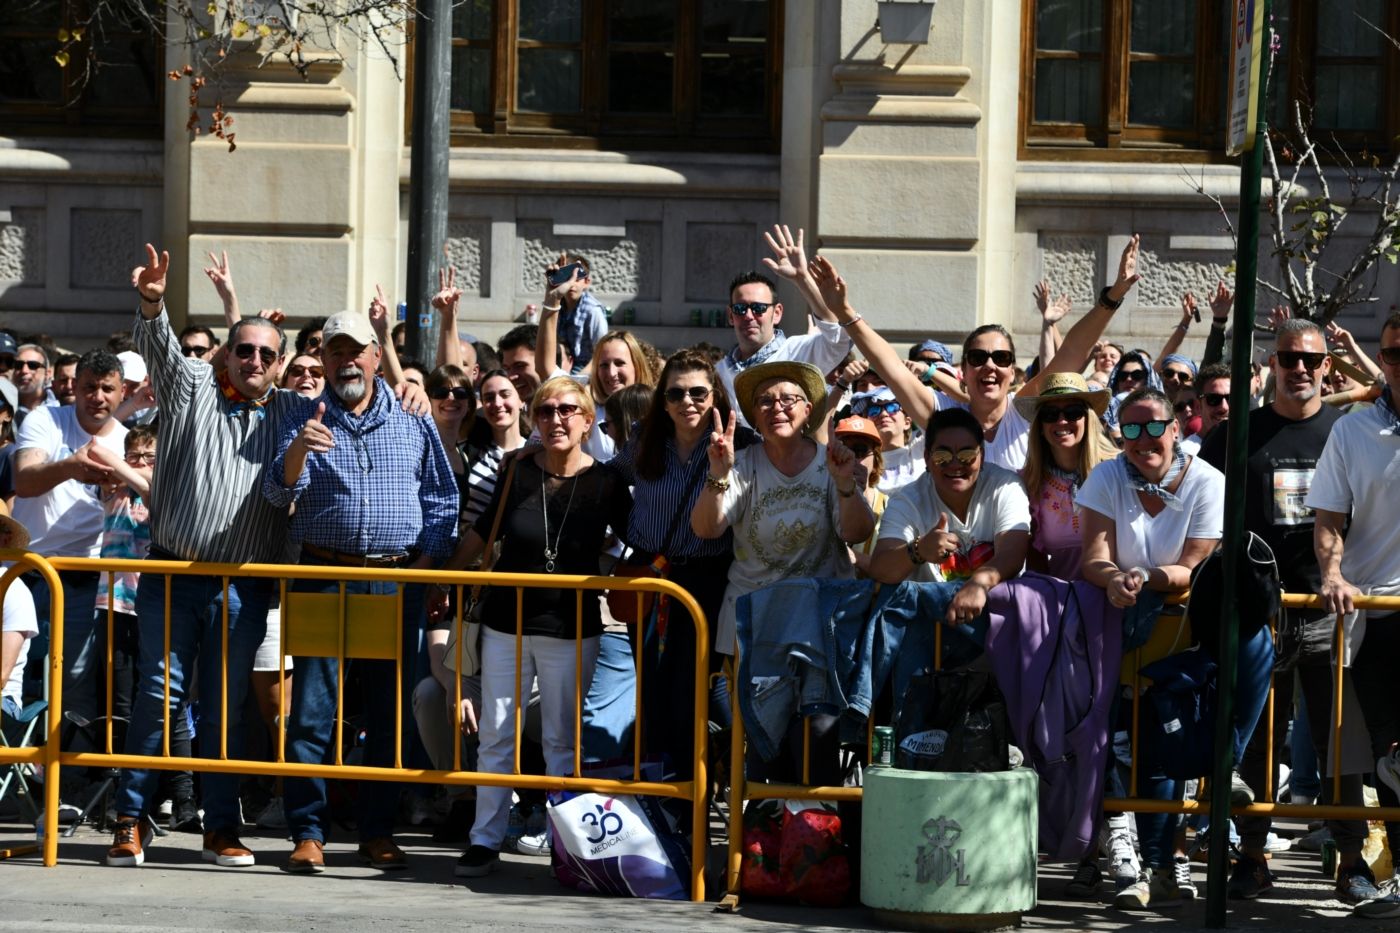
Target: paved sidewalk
x=176 y=892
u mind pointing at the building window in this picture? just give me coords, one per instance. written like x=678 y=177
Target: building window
x=1146 y=80
x=60 y=74
x=616 y=73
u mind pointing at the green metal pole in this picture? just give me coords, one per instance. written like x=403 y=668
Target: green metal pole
x=1236 y=455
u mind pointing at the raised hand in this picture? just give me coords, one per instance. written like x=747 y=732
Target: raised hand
x=938 y=544
x=314 y=436
x=852 y=371
x=791 y=261
x=149 y=280
x=1339 y=336
x=554 y=294
x=1127 y=270
x=448 y=294
x=274 y=315
x=1051 y=312
x=379 y=311
x=830 y=284
x=721 y=452
x=1277 y=315
x=1189 y=309
x=1221 y=300
x=221 y=275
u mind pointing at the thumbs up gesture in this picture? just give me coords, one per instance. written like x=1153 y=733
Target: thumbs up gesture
x=939 y=542
x=314 y=436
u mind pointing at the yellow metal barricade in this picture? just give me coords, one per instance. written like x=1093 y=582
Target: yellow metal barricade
x=348 y=626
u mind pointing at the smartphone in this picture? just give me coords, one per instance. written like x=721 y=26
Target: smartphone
x=1196 y=313
x=563 y=275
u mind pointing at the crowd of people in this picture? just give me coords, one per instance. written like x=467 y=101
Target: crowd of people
x=573 y=448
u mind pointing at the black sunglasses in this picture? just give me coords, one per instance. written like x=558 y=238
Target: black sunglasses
x=194 y=349
x=1133 y=430
x=1289 y=359
x=32 y=365
x=676 y=394
x=1184 y=404
x=1390 y=356
x=861 y=451
x=756 y=308
x=1180 y=375
x=1214 y=399
x=1133 y=374
x=1070 y=413
x=245 y=351
x=1003 y=358
x=460 y=393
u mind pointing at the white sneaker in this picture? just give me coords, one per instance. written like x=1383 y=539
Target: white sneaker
x=1123 y=865
x=1164 y=892
x=1275 y=843
x=1135 y=896
x=534 y=844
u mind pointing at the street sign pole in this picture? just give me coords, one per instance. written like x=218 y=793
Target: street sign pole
x=427 y=177
x=1250 y=43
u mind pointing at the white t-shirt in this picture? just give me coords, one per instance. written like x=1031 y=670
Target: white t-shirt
x=1142 y=540
x=784 y=526
x=1012 y=442
x=19 y=617
x=1359 y=474
x=823 y=349
x=66 y=521
x=1192 y=445
x=999 y=504
x=903 y=465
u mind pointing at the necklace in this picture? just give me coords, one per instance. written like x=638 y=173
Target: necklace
x=550 y=556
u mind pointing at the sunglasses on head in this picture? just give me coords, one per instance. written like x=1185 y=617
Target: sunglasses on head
x=942 y=456
x=756 y=308
x=193 y=349
x=876 y=409
x=460 y=393
x=245 y=351
x=297 y=371
x=1132 y=430
x=1390 y=356
x=1072 y=413
x=1214 y=399
x=1180 y=375
x=1003 y=358
x=562 y=412
x=676 y=394
x=1289 y=359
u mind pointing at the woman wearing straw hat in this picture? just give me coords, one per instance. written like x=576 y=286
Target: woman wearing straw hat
x=20 y=625
x=1066 y=443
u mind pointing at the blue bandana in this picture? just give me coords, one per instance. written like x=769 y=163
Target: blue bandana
x=1140 y=483
x=764 y=353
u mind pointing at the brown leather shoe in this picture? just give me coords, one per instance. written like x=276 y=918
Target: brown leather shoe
x=307 y=858
x=129 y=842
x=381 y=852
x=224 y=849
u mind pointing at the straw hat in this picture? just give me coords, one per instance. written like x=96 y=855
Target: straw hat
x=857 y=426
x=12 y=533
x=813 y=384
x=1062 y=387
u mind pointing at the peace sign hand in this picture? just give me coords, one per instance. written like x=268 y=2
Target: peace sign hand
x=448 y=294
x=379 y=313
x=149 y=279
x=721 y=450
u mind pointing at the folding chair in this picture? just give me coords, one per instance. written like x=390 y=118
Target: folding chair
x=15 y=776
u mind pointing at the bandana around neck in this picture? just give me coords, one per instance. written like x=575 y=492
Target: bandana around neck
x=1140 y=483
x=1386 y=404
x=764 y=353
x=240 y=402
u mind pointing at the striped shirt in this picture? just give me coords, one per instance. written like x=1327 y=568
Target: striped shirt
x=660 y=518
x=482 y=476
x=206 y=499
x=385 y=487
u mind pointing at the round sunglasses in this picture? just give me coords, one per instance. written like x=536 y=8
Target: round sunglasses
x=1132 y=430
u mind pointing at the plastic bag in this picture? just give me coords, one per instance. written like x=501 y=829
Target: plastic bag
x=952 y=721
x=793 y=850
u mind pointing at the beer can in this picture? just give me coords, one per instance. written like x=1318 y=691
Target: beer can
x=403 y=310
x=882 y=747
x=1329 y=859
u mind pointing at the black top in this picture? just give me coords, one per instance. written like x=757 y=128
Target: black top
x=1282 y=457
x=599 y=500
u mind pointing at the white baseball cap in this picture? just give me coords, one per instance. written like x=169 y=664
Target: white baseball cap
x=351 y=324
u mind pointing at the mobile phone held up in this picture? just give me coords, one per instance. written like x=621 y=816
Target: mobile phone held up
x=560 y=276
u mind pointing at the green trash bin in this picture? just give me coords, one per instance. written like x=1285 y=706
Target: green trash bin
x=949 y=851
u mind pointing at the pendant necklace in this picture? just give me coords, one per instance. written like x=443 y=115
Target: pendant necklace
x=551 y=555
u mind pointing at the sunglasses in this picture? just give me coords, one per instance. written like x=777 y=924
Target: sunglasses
x=1003 y=358
x=1180 y=375
x=296 y=372
x=1070 y=413
x=135 y=458
x=7 y=363
x=942 y=456
x=676 y=394
x=861 y=450
x=1215 y=399
x=1183 y=405
x=756 y=308
x=1289 y=359
x=931 y=359
x=1390 y=356
x=312 y=343
x=245 y=351
x=1132 y=430
x=1133 y=374
x=460 y=393
x=193 y=349
x=550 y=412
x=31 y=365
x=876 y=409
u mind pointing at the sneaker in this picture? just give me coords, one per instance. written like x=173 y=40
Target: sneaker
x=1250 y=879
x=1356 y=884
x=129 y=841
x=185 y=818
x=477 y=862
x=1163 y=891
x=1123 y=865
x=273 y=816
x=1384 y=906
x=1388 y=769
x=166 y=808
x=1241 y=794
x=224 y=849
x=1135 y=896
x=1274 y=844
x=421 y=811
x=1313 y=841
x=1181 y=872
x=1086 y=880
x=534 y=844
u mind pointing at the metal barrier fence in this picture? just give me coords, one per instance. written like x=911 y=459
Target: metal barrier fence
x=740 y=789
x=349 y=626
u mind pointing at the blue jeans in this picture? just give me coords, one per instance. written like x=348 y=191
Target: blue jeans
x=1254 y=667
x=80 y=646
x=311 y=725
x=610 y=708
x=196 y=647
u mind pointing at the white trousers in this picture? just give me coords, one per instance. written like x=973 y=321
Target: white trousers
x=551 y=660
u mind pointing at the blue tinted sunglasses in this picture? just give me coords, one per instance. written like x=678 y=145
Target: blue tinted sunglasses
x=876 y=409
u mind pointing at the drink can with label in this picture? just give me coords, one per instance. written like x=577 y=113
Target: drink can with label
x=882 y=747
